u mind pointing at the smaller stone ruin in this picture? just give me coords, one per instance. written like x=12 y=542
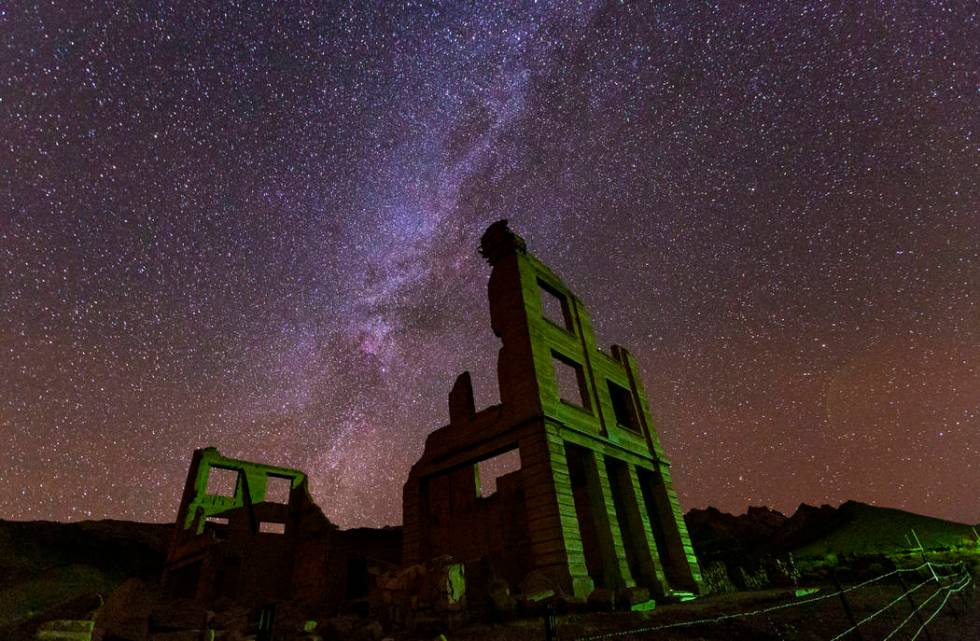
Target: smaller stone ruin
x=252 y=534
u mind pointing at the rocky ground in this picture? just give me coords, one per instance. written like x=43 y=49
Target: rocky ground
x=97 y=571
x=959 y=620
x=59 y=570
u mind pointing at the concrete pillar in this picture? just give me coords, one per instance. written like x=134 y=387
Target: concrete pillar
x=680 y=563
x=682 y=539
x=556 y=541
x=650 y=555
x=615 y=565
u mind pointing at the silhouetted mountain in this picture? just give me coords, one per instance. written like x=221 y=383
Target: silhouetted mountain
x=52 y=569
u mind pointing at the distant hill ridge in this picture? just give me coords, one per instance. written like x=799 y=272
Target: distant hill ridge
x=45 y=566
x=852 y=528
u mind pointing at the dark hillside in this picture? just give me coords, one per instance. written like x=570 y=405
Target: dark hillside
x=45 y=565
x=857 y=528
x=852 y=528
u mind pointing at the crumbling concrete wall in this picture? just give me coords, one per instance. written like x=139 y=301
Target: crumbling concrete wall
x=259 y=538
x=431 y=591
x=236 y=539
x=592 y=505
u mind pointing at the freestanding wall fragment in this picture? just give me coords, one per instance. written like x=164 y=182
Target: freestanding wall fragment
x=241 y=528
x=252 y=533
x=592 y=505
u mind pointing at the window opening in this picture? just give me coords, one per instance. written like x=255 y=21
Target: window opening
x=570 y=380
x=222 y=482
x=623 y=407
x=268 y=527
x=554 y=306
x=490 y=470
x=277 y=489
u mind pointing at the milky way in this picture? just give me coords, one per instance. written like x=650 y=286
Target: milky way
x=254 y=226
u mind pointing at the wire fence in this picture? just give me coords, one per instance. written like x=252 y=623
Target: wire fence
x=942 y=581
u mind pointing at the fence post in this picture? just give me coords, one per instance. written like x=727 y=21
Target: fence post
x=922 y=551
x=550 y=624
x=962 y=593
x=847 y=606
x=915 y=608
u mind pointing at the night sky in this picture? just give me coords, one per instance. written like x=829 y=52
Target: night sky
x=255 y=226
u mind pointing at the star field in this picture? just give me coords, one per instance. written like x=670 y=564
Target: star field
x=254 y=226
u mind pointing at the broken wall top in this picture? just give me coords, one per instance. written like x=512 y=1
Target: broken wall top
x=549 y=364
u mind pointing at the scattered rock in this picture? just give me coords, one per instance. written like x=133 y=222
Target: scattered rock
x=126 y=613
x=500 y=598
x=602 y=599
x=179 y=614
x=178 y=635
x=628 y=597
x=537 y=586
x=232 y=619
x=433 y=588
x=353 y=628
x=644 y=606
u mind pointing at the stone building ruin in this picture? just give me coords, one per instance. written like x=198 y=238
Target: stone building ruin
x=592 y=505
x=252 y=533
x=588 y=511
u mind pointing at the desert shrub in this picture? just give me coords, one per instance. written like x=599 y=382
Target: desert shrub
x=716 y=579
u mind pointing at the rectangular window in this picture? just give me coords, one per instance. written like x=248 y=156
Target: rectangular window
x=554 y=305
x=490 y=470
x=268 y=527
x=570 y=380
x=222 y=482
x=623 y=406
x=277 y=489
